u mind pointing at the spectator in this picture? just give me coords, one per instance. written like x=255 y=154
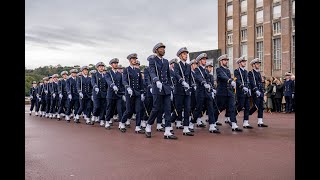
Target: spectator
x=267 y=93
x=293 y=93
x=278 y=96
x=273 y=93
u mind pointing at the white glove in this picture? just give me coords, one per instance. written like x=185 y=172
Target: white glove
x=70 y=96
x=92 y=98
x=207 y=86
x=245 y=89
x=233 y=84
x=171 y=96
x=292 y=95
x=249 y=92
x=31 y=97
x=115 y=88
x=97 y=90
x=186 y=85
x=39 y=99
x=151 y=90
x=37 y=95
x=81 y=95
x=124 y=98
x=60 y=96
x=195 y=88
x=142 y=97
x=46 y=91
x=129 y=91
x=212 y=94
x=54 y=95
x=258 y=93
x=159 y=85
x=214 y=91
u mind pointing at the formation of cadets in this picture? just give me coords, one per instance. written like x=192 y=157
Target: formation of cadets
x=174 y=93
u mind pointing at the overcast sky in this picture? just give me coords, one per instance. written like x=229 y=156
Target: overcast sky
x=82 y=32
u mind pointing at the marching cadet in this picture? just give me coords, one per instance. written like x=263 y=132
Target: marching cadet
x=182 y=94
x=99 y=85
x=73 y=96
x=48 y=97
x=38 y=102
x=143 y=95
x=42 y=96
x=174 y=112
x=242 y=90
x=257 y=88
x=225 y=92
x=133 y=84
x=194 y=65
x=161 y=90
x=288 y=92
x=63 y=95
x=85 y=92
x=204 y=94
x=33 y=96
x=54 y=96
x=115 y=92
x=92 y=72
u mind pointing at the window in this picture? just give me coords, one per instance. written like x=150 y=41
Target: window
x=259 y=53
x=244 y=6
x=244 y=35
x=276 y=28
x=244 y=51
x=277 y=54
x=229 y=24
x=275 y=1
x=244 y=21
x=259 y=32
x=293 y=7
x=259 y=3
x=229 y=10
x=276 y=12
x=259 y=17
x=293 y=49
x=293 y=24
x=230 y=38
x=229 y=0
x=230 y=53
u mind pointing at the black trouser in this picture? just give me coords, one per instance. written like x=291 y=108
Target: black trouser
x=43 y=104
x=243 y=102
x=288 y=103
x=147 y=106
x=112 y=105
x=257 y=102
x=48 y=104
x=33 y=102
x=182 y=102
x=38 y=104
x=132 y=106
x=84 y=106
x=53 y=105
x=161 y=103
x=226 y=103
x=72 y=104
x=201 y=100
x=99 y=107
x=278 y=104
x=62 y=105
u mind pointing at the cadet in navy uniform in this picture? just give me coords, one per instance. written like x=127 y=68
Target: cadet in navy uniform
x=133 y=84
x=84 y=88
x=99 y=93
x=63 y=95
x=92 y=72
x=33 y=96
x=161 y=90
x=288 y=92
x=243 y=90
x=42 y=96
x=194 y=65
x=115 y=92
x=225 y=92
x=257 y=90
x=204 y=94
x=73 y=96
x=174 y=112
x=38 y=101
x=48 y=96
x=182 y=91
x=54 y=96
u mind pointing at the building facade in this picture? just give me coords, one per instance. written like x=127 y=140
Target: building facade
x=258 y=28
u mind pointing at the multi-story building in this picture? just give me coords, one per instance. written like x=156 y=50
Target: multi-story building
x=258 y=28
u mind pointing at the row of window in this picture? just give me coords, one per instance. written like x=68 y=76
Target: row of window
x=276 y=47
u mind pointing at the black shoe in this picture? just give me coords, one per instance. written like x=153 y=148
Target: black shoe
x=262 y=125
x=171 y=137
x=92 y=123
x=127 y=125
x=215 y=131
x=77 y=121
x=248 y=127
x=237 y=129
x=111 y=124
x=30 y=114
x=68 y=121
x=218 y=124
x=108 y=128
x=188 y=134
x=229 y=122
x=161 y=129
x=201 y=125
x=191 y=130
x=141 y=131
x=40 y=115
x=58 y=119
x=123 y=130
x=162 y=125
x=180 y=127
x=171 y=131
x=148 y=134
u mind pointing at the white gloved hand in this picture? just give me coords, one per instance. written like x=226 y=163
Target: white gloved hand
x=142 y=97
x=129 y=91
x=92 y=97
x=60 y=95
x=115 y=88
x=171 y=96
x=37 y=95
x=46 y=91
x=258 y=93
x=39 y=99
x=185 y=84
x=245 y=89
x=31 y=97
x=212 y=94
x=292 y=95
x=96 y=90
x=81 y=95
x=249 y=92
x=124 y=98
x=207 y=86
x=70 y=96
x=151 y=90
x=159 y=85
x=214 y=91
x=54 y=95
x=195 y=88
x=233 y=84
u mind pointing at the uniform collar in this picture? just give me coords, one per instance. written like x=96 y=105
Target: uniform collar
x=257 y=70
x=242 y=68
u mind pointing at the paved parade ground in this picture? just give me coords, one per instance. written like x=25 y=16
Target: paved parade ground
x=59 y=150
